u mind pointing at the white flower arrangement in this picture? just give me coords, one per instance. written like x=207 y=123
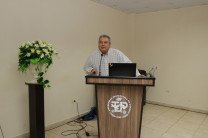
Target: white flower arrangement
x=38 y=53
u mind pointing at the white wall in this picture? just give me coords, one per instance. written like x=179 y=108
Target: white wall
x=176 y=41
x=73 y=26
x=131 y=37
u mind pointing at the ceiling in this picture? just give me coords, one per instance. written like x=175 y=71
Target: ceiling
x=141 y=6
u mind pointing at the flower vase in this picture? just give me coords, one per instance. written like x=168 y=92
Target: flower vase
x=34 y=72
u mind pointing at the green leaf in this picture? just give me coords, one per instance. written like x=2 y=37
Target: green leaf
x=34 y=60
x=44 y=61
x=40 y=74
x=27 y=60
x=36 y=69
x=48 y=86
x=46 y=81
x=40 y=80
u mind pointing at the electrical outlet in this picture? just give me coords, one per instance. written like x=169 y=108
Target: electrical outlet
x=74 y=101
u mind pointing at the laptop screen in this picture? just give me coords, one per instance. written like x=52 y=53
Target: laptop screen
x=122 y=69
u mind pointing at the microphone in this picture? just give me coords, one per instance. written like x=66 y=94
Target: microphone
x=100 y=65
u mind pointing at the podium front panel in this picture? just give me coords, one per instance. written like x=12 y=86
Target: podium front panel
x=119 y=111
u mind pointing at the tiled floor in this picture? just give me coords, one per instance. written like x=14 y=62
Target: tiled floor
x=158 y=122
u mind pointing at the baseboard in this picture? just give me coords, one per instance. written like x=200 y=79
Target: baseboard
x=52 y=126
x=178 y=107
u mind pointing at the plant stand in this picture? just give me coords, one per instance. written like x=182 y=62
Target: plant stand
x=36 y=110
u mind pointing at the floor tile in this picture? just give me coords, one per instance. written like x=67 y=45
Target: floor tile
x=167 y=135
x=145 y=121
x=201 y=135
x=205 y=122
x=51 y=135
x=180 y=132
x=196 y=118
x=187 y=125
x=150 y=133
x=202 y=131
x=158 y=125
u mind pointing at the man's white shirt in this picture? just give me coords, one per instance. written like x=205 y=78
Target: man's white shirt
x=113 y=56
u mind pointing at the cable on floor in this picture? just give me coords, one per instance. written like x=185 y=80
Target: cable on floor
x=76 y=123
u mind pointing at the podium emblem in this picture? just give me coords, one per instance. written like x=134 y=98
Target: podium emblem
x=119 y=106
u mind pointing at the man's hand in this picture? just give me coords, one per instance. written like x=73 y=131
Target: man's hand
x=141 y=76
x=94 y=71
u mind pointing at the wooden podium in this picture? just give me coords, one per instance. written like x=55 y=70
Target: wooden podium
x=119 y=104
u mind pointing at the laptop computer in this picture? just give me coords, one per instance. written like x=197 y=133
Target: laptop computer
x=122 y=69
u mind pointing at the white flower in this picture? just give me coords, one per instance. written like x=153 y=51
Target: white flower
x=50 y=48
x=40 y=42
x=46 y=51
x=33 y=50
x=42 y=55
x=38 y=52
x=28 y=43
x=36 y=45
x=42 y=45
x=44 y=42
x=28 y=54
x=23 y=44
x=27 y=46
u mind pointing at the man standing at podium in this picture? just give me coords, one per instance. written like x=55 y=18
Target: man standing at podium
x=97 y=62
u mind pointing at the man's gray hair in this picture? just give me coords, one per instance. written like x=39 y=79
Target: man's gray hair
x=106 y=36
